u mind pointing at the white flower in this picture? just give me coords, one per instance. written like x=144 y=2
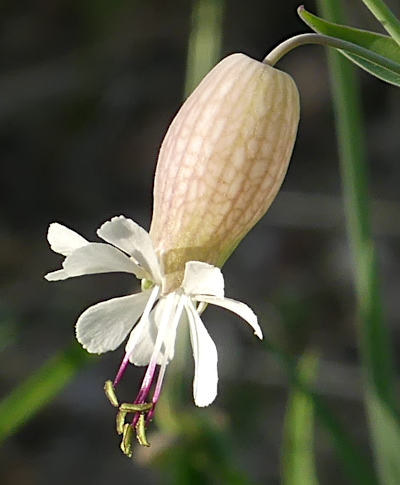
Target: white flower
x=150 y=318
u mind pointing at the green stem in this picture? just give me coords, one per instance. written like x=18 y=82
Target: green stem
x=385 y=16
x=373 y=336
x=318 y=39
x=352 y=148
x=356 y=464
x=205 y=41
x=298 y=457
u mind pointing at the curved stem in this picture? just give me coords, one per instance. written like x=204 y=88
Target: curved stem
x=303 y=39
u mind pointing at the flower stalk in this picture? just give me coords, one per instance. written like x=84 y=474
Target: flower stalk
x=327 y=41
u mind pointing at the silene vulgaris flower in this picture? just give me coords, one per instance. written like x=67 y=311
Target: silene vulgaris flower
x=151 y=317
x=220 y=166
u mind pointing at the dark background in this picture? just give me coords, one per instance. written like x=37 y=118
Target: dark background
x=87 y=90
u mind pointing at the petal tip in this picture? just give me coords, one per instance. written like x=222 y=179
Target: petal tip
x=57 y=275
x=85 y=345
x=203 y=401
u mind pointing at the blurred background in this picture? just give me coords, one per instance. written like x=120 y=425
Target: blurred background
x=87 y=91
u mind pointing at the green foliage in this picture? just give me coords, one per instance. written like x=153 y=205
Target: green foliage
x=199 y=451
x=386 y=17
x=298 y=462
x=373 y=337
x=380 y=44
x=354 y=462
x=28 y=398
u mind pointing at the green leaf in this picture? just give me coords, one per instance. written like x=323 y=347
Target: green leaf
x=29 y=397
x=298 y=463
x=386 y=17
x=380 y=44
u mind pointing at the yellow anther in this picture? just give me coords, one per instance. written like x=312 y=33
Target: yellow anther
x=135 y=408
x=120 y=421
x=126 y=443
x=110 y=393
x=141 y=431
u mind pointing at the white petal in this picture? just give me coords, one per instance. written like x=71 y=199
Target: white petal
x=145 y=338
x=171 y=344
x=58 y=275
x=98 y=258
x=205 y=358
x=202 y=278
x=134 y=240
x=237 y=307
x=63 y=240
x=143 y=322
x=104 y=326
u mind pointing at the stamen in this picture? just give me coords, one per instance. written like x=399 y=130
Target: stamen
x=142 y=322
x=133 y=408
x=141 y=431
x=151 y=368
x=121 y=370
x=162 y=330
x=145 y=388
x=127 y=408
x=110 y=393
x=120 y=421
x=144 y=411
x=163 y=367
x=126 y=443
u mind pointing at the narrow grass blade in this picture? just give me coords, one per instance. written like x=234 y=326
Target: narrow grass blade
x=354 y=462
x=30 y=396
x=374 y=341
x=298 y=462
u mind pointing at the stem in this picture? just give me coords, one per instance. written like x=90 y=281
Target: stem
x=385 y=16
x=373 y=336
x=354 y=174
x=204 y=41
x=303 y=39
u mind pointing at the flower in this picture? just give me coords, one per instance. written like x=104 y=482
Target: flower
x=220 y=166
x=151 y=317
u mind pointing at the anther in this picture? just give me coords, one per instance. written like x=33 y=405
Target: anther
x=120 y=421
x=110 y=393
x=141 y=430
x=126 y=443
x=135 y=408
